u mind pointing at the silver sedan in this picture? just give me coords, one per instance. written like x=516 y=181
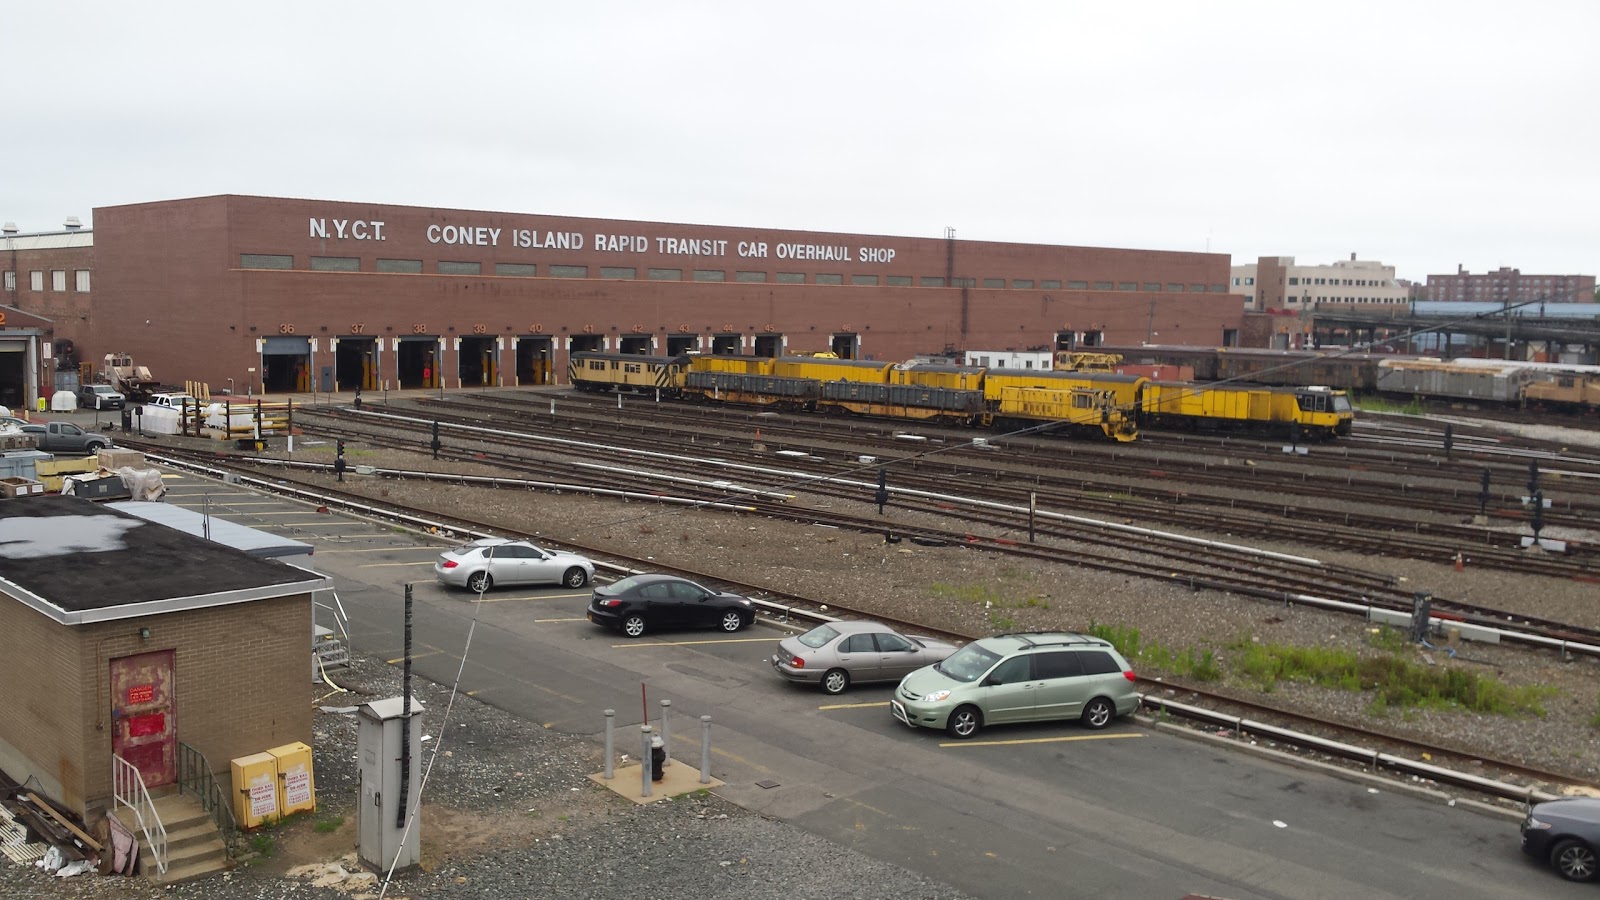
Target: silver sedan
x=838 y=653
x=482 y=564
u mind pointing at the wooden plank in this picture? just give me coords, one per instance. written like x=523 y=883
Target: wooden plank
x=51 y=811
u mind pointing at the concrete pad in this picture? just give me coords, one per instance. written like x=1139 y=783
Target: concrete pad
x=678 y=779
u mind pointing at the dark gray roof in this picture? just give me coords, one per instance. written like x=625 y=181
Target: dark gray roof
x=78 y=562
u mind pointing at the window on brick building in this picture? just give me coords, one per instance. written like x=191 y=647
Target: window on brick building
x=1102 y=285
x=460 y=268
x=710 y=275
x=830 y=279
x=750 y=276
x=1075 y=285
x=665 y=274
x=11 y=281
x=514 y=270
x=83 y=281
x=569 y=271
x=1127 y=285
x=622 y=272
x=1152 y=286
x=335 y=264
x=791 y=278
x=265 y=261
x=58 y=279
x=1178 y=288
x=994 y=282
x=964 y=282
x=897 y=280
x=1023 y=283
x=409 y=267
x=930 y=281
x=866 y=280
x=35 y=281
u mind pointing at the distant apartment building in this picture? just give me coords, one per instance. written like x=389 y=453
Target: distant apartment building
x=1505 y=285
x=1276 y=283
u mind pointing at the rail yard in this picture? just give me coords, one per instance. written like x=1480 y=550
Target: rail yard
x=1203 y=546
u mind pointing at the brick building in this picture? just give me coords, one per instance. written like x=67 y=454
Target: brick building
x=256 y=293
x=45 y=284
x=122 y=636
x=1505 y=285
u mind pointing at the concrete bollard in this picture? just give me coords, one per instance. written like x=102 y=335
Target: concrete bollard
x=666 y=731
x=705 y=749
x=644 y=760
x=611 y=718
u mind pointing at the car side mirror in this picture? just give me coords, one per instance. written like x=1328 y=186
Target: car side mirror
x=994 y=681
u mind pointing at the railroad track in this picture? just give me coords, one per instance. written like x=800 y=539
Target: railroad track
x=1267 y=520
x=790 y=607
x=1136 y=553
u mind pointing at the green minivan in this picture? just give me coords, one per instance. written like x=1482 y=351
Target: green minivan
x=1022 y=677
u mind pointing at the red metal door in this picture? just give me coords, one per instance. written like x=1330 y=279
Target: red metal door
x=145 y=731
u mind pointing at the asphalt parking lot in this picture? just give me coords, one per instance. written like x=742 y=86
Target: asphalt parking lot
x=1125 y=812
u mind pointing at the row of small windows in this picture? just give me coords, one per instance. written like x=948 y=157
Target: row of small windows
x=1348 y=282
x=628 y=273
x=58 y=281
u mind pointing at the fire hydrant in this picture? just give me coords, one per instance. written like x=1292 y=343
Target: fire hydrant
x=658 y=758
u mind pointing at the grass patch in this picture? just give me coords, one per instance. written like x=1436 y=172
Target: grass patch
x=328 y=826
x=1396 y=682
x=263 y=844
x=1189 y=662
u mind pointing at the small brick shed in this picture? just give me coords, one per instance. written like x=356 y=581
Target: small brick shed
x=123 y=635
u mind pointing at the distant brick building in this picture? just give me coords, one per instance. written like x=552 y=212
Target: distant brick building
x=1505 y=285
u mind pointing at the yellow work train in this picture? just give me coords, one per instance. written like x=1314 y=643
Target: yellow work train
x=1108 y=405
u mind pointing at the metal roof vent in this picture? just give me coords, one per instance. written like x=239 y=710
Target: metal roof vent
x=72 y=223
x=9 y=228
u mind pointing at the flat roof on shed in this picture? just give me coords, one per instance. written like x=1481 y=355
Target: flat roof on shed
x=77 y=562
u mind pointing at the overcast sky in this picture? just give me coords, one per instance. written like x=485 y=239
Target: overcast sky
x=1424 y=135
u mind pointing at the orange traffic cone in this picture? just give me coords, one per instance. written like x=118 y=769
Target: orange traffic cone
x=1459 y=563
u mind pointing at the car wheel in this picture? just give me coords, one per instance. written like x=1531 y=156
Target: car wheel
x=732 y=621
x=834 y=681
x=478 y=582
x=1098 y=713
x=633 y=626
x=964 y=722
x=1574 y=860
x=94 y=446
x=575 y=578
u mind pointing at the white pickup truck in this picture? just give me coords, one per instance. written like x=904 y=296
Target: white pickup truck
x=173 y=401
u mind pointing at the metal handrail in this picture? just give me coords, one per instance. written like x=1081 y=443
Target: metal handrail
x=128 y=789
x=196 y=776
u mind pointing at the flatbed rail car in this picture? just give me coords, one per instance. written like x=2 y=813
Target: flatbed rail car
x=1314 y=413
x=598 y=371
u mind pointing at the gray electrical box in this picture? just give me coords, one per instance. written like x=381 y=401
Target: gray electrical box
x=380 y=822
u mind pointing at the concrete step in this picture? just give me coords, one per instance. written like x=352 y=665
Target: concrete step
x=194 y=846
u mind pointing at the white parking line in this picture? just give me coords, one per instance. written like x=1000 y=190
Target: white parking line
x=691 y=643
x=1049 y=740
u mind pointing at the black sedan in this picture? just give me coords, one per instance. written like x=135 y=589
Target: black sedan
x=641 y=603
x=1566 y=834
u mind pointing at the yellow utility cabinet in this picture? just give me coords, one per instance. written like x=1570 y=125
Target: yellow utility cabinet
x=297 y=789
x=255 y=789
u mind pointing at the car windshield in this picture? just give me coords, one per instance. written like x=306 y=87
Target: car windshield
x=968 y=664
x=818 y=636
